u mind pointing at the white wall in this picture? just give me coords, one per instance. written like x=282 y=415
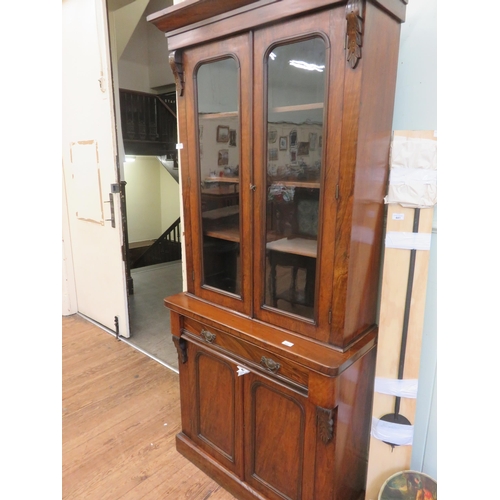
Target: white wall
x=152 y=194
x=143 y=65
x=416 y=88
x=160 y=73
x=170 y=199
x=133 y=68
x=152 y=199
x=416 y=109
x=143 y=199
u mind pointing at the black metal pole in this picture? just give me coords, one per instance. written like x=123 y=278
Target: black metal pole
x=406 y=319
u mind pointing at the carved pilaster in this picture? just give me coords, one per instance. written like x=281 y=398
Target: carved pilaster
x=326 y=423
x=175 y=60
x=181 y=346
x=354 y=33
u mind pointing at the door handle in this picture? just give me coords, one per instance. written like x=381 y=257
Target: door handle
x=270 y=364
x=208 y=336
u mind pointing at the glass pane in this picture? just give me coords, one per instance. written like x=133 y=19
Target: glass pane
x=219 y=160
x=296 y=90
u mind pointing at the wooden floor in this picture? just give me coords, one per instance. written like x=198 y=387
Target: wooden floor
x=121 y=413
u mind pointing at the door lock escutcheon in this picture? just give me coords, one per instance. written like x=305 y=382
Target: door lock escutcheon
x=241 y=370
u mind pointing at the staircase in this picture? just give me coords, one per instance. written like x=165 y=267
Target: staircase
x=149 y=123
x=166 y=248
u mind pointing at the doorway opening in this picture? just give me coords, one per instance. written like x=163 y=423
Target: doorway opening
x=150 y=194
x=151 y=218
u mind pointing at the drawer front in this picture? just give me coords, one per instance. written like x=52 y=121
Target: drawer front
x=258 y=358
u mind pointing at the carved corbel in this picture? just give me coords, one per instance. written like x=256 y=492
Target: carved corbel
x=175 y=60
x=326 y=423
x=181 y=346
x=354 y=32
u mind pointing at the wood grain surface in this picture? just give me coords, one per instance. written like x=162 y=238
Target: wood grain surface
x=120 y=415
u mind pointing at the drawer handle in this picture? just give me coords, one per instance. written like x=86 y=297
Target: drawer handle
x=269 y=364
x=208 y=336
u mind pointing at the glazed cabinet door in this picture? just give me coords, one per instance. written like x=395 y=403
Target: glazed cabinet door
x=279 y=440
x=298 y=90
x=214 y=120
x=211 y=401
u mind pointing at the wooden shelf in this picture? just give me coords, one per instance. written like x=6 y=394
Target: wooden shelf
x=219 y=191
x=297 y=107
x=300 y=184
x=227 y=233
x=229 y=180
x=297 y=246
x=219 y=116
x=219 y=213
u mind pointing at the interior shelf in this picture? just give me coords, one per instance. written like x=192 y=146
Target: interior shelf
x=219 y=213
x=297 y=107
x=300 y=184
x=211 y=116
x=229 y=180
x=227 y=233
x=297 y=246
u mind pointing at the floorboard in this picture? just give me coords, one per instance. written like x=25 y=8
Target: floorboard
x=121 y=413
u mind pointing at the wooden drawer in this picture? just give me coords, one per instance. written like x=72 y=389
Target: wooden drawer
x=249 y=354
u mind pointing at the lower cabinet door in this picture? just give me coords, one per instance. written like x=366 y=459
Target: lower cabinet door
x=215 y=417
x=279 y=451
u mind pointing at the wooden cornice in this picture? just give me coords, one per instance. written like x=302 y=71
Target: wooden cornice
x=197 y=21
x=397 y=8
x=193 y=11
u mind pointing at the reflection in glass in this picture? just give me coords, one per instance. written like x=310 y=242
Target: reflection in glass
x=295 y=92
x=218 y=161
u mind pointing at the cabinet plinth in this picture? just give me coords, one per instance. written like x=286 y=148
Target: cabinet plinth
x=285 y=116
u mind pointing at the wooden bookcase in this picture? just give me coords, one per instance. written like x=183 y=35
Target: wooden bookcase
x=288 y=104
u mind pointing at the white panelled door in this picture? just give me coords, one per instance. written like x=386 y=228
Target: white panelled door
x=90 y=165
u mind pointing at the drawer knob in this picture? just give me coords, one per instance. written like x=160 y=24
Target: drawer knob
x=269 y=364
x=208 y=336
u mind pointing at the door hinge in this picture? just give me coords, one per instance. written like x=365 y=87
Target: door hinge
x=330 y=317
x=337 y=192
x=124 y=254
x=111 y=210
x=192 y=276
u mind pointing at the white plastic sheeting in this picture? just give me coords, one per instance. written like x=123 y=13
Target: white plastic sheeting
x=413 y=172
x=389 y=432
x=408 y=241
x=399 y=388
